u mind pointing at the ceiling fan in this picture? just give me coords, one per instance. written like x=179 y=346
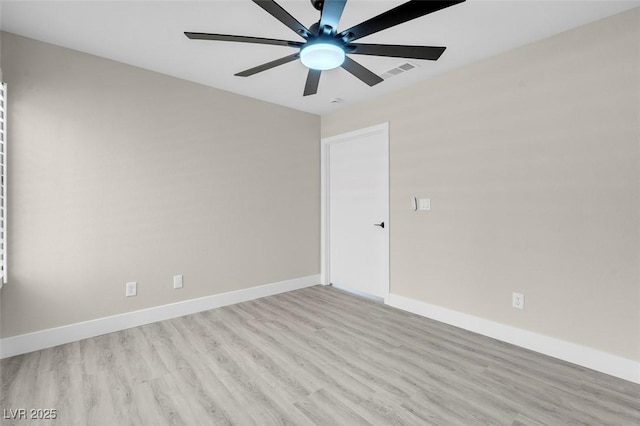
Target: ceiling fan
x=324 y=48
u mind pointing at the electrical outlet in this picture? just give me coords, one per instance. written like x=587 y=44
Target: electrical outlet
x=517 y=301
x=177 y=281
x=132 y=289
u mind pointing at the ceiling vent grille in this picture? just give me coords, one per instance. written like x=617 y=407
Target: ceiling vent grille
x=407 y=66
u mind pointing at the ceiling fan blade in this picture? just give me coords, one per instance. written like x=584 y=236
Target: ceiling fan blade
x=431 y=53
x=268 y=65
x=361 y=72
x=331 y=14
x=275 y=10
x=405 y=12
x=242 y=39
x=311 y=86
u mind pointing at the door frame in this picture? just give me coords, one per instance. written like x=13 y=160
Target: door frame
x=325 y=246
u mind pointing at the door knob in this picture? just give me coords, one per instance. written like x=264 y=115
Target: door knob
x=381 y=224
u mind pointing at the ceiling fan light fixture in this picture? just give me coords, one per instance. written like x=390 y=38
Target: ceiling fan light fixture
x=325 y=48
x=322 y=56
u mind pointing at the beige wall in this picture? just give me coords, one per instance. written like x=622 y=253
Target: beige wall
x=120 y=174
x=531 y=161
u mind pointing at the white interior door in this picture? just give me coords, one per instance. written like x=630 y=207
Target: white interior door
x=358 y=210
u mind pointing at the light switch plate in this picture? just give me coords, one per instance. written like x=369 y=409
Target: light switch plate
x=425 y=203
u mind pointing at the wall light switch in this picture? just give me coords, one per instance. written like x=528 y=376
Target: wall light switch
x=177 y=281
x=425 y=203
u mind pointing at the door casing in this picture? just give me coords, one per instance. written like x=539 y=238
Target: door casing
x=325 y=255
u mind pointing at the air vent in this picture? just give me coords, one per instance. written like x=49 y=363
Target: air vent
x=407 y=66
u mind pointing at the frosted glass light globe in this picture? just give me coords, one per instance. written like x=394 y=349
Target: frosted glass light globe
x=322 y=56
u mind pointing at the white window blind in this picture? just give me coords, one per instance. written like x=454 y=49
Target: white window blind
x=3 y=184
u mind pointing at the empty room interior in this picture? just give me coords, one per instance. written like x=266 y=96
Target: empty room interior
x=328 y=212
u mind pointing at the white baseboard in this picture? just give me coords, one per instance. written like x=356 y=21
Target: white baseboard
x=30 y=342
x=581 y=355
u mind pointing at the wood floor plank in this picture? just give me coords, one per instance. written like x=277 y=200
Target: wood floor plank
x=326 y=373
x=313 y=356
x=491 y=352
x=330 y=409
x=242 y=377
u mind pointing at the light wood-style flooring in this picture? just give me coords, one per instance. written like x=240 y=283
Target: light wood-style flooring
x=312 y=356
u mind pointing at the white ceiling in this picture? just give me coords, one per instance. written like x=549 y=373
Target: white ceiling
x=149 y=34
